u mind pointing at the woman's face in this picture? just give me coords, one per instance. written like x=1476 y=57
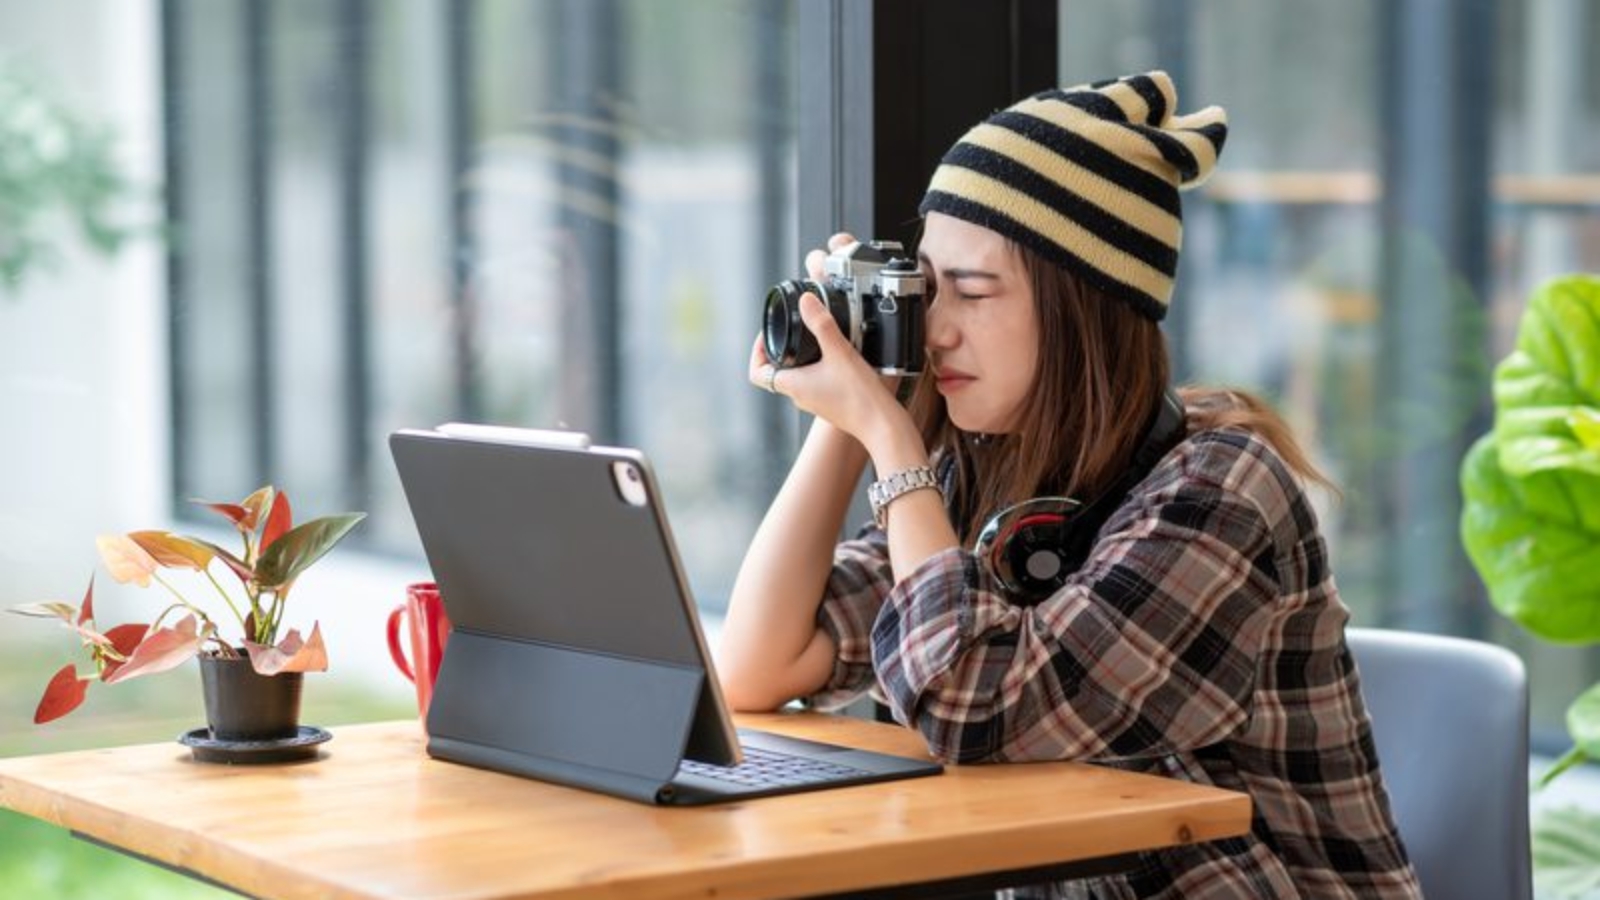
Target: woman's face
x=983 y=334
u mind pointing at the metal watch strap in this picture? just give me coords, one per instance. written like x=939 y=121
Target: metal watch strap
x=885 y=490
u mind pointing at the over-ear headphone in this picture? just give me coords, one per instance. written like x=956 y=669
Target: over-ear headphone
x=1032 y=547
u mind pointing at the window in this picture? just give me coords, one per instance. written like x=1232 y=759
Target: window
x=1398 y=178
x=545 y=214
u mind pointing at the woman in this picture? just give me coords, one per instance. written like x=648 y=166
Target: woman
x=1201 y=637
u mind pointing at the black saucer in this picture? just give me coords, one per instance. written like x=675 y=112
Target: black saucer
x=209 y=749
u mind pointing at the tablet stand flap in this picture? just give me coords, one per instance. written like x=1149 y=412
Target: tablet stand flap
x=601 y=722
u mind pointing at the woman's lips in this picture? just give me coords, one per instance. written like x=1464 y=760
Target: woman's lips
x=951 y=380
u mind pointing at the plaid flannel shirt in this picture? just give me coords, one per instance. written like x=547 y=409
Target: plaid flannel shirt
x=1202 y=640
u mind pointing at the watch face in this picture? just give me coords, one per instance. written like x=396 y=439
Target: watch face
x=1025 y=546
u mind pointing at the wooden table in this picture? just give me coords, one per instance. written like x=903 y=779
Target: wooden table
x=374 y=817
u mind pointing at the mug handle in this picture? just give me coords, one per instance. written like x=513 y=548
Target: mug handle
x=394 y=644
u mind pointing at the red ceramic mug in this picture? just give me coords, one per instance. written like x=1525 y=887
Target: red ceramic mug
x=428 y=629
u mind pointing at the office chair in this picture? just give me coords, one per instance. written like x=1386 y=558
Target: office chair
x=1450 y=718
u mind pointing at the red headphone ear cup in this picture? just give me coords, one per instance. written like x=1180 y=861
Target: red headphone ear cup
x=1012 y=538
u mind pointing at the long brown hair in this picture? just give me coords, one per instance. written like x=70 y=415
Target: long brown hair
x=1102 y=370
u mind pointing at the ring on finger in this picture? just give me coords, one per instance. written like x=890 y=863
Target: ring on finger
x=772 y=379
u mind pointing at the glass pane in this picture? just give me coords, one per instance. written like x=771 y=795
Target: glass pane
x=1289 y=283
x=545 y=214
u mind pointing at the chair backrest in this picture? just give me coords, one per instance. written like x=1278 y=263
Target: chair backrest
x=1450 y=718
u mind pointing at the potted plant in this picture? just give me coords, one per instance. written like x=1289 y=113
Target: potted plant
x=250 y=677
x=1531 y=523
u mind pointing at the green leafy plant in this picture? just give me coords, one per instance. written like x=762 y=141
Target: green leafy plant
x=275 y=553
x=1531 y=521
x=53 y=161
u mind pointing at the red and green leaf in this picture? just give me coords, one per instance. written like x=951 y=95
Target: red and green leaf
x=54 y=609
x=256 y=506
x=279 y=521
x=124 y=639
x=162 y=649
x=234 y=563
x=301 y=546
x=173 y=551
x=64 y=694
x=246 y=513
x=291 y=654
x=233 y=512
x=91 y=638
x=86 y=611
x=126 y=560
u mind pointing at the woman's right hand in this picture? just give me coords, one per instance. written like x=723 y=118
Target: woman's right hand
x=839 y=388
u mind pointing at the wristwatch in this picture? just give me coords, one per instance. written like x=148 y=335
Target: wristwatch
x=886 y=490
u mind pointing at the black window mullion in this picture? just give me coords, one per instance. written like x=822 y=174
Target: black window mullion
x=836 y=136
x=588 y=61
x=901 y=81
x=353 y=22
x=174 y=59
x=1172 y=27
x=1437 y=68
x=460 y=18
x=778 y=420
x=258 y=228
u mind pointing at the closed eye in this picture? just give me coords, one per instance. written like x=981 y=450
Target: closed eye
x=970 y=284
x=934 y=293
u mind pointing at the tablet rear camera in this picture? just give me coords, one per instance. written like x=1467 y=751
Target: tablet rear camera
x=630 y=483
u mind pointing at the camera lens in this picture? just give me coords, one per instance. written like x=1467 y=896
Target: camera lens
x=782 y=328
x=787 y=340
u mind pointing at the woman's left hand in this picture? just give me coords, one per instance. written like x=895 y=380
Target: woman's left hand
x=840 y=387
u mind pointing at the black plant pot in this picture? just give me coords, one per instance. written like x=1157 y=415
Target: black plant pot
x=244 y=705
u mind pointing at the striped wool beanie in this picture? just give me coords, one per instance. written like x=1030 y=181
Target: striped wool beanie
x=1088 y=177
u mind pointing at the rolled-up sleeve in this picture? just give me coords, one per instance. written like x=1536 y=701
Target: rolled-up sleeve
x=861 y=578
x=1151 y=648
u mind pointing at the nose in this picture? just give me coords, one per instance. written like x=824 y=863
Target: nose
x=941 y=330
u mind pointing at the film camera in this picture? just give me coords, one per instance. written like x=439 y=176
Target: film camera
x=874 y=293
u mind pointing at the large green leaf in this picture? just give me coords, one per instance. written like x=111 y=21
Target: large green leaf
x=1534 y=541
x=301 y=546
x=1550 y=384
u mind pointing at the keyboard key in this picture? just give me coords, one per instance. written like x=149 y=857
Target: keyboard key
x=768 y=768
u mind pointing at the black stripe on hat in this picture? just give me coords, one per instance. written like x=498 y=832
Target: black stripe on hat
x=1153 y=98
x=1109 y=227
x=1216 y=133
x=1096 y=104
x=1073 y=146
x=996 y=221
x=1172 y=150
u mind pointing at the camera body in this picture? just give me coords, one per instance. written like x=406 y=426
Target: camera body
x=875 y=293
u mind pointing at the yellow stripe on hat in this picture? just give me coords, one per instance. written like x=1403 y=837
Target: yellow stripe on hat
x=1108 y=195
x=1169 y=91
x=1185 y=130
x=1130 y=101
x=1054 y=227
x=1116 y=137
